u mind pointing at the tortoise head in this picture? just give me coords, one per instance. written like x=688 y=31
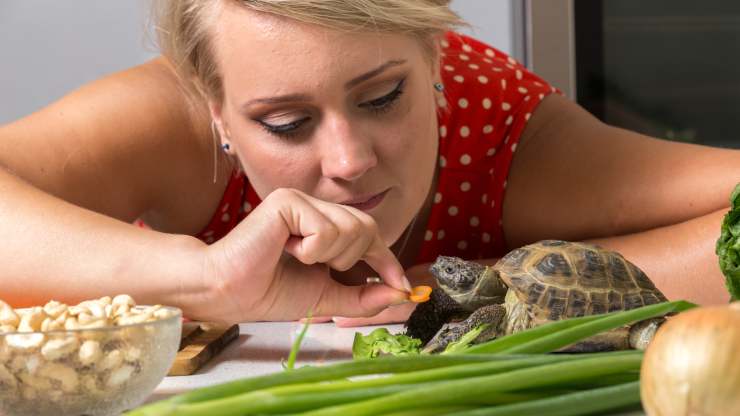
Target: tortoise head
x=457 y=277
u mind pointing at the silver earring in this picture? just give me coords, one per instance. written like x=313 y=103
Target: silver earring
x=439 y=87
x=226 y=147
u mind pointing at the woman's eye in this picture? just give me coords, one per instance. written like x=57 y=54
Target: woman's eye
x=284 y=130
x=385 y=102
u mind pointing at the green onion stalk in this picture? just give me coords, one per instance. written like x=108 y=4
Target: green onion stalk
x=477 y=389
x=571 y=404
x=555 y=335
x=310 y=374
x=284 y=398
x=486 y=374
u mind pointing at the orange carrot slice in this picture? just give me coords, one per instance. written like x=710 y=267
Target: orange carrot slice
x=420 y=294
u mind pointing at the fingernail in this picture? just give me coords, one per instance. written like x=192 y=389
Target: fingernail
x=406 y=284
x=337 y=319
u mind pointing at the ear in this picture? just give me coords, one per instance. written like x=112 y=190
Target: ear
x=436 y=75
x=215 y=108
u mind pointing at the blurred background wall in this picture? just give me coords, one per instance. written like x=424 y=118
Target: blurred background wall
x=50 y=47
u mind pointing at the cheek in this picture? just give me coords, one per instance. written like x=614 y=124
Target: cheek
x=269 y=167
x=413 y=139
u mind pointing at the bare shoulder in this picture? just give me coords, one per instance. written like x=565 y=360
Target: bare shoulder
x=574 y=177
x=128 y=145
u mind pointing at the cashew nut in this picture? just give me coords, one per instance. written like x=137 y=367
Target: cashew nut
x=120 y=375
x=54 y=309
x=7 y=328
x=59 y=348
x=38 y=364
x=24 y=342
x=32 y=319
x=90 y=352
x=65 y=375
x=8 y=315
x=110 y=361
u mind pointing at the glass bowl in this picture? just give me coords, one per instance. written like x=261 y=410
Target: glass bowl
x=98 y=371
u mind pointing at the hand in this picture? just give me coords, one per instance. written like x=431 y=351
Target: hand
x=390 y=315
x=275 y=264
x=418 y=275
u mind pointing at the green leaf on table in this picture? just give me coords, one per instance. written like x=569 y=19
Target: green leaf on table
x=380 y=341
x=728 y=246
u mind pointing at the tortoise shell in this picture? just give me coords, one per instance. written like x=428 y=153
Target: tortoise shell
x=560 y=279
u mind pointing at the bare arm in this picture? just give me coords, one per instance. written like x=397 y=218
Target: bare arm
x=73 y=175
x=660 y=203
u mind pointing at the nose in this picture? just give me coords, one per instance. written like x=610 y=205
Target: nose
x=345 y=153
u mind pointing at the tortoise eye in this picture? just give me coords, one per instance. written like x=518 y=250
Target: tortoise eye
x=449 y=270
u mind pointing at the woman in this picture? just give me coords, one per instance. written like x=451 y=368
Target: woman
x=358 y=139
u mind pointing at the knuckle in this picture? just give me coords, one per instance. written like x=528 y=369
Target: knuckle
x=328 y=231
x=282 y=194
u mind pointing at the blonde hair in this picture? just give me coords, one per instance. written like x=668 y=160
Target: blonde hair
x=184 y=34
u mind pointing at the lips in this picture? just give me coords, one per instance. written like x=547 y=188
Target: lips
x=366 y=203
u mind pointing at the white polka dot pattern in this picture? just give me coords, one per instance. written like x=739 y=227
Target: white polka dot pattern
x=488 y=99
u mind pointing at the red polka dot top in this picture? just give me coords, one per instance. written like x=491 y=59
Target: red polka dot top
x=489 y=99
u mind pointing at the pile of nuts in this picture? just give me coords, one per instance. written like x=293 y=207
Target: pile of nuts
x=41 y=358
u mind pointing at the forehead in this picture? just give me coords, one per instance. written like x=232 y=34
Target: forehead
x=258 y=49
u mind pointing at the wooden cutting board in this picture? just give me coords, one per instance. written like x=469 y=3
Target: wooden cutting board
x=200 y=342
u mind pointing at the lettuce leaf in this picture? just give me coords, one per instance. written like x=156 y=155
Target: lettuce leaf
x=728 y=246
x=380 y=341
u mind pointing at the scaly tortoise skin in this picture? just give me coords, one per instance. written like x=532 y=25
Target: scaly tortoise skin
x=543 y=282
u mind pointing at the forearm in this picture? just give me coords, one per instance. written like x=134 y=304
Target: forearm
x=55 y=250
x=679 y=259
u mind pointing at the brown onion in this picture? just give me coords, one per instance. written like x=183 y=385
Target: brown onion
x=692 y=366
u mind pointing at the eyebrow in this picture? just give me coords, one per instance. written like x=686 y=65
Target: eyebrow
x=375 y=72
x=305 y=97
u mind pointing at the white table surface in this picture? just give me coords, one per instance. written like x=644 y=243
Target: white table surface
x=261 y=348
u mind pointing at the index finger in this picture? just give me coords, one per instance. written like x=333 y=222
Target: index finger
x=382 y=260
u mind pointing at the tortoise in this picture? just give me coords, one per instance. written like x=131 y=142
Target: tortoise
x=542 y=282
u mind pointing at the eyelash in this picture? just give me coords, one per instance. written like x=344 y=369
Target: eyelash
x=377 y=106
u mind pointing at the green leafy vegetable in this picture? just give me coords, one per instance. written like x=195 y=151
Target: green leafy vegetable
x=728 y=246
x=380 y=341
x=464 y=342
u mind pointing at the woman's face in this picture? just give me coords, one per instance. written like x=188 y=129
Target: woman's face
x=347 y=118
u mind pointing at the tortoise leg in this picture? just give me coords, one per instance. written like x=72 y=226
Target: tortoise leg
x=429 y=317
x=489 y=314
x=642 y=333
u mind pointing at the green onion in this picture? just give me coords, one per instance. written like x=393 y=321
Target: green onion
x=476 y=389
x=413 y=385
x=297 y=344
x=552 y=336
x=571 y=404
x=380 y=365
x=265 y=402
x=256 y=401
x=432 y=412
x=508 y=341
